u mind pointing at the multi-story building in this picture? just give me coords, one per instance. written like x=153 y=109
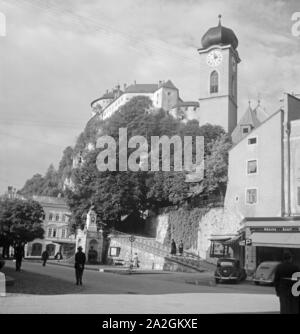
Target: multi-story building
x=58 y=237
x=264 y=183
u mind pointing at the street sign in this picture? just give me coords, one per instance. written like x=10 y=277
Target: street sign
x=248 y=242
x=132 y=238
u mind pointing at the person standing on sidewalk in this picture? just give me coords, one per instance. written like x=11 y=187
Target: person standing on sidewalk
x=180 y=248
x=19 y=254
x=289 y=304
x=45 y=257
x=79 y=265
x=173 y=247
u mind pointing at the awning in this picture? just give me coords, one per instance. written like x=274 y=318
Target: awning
x=287 y=240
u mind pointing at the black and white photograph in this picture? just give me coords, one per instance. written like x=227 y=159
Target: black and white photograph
x=149 y=159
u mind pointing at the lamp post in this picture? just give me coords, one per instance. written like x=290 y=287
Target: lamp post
x=131 y=239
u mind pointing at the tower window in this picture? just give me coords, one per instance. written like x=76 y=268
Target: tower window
x=214 y=82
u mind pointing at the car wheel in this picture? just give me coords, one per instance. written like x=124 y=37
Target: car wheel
x=217 y=280
x=256 y=283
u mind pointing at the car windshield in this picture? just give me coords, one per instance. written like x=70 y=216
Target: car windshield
x=226 y=264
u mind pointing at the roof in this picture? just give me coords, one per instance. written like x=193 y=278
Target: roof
x=187 y=104
x=266 y=120
x=219 y=35
x=107 y=96
x=142 y=88
x=249 y=118
x=50 y=200
x=168 y=84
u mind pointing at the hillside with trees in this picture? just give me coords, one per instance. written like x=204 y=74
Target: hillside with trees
x=118 y=194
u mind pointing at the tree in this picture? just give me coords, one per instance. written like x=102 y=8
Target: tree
x=20 y=222
x=216 y=166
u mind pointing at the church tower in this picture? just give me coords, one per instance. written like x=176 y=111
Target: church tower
x=219 y=61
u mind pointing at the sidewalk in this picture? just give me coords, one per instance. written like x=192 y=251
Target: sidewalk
x=194 y=303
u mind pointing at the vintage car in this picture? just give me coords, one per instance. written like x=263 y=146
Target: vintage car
x=265 y=272
x=229 y=269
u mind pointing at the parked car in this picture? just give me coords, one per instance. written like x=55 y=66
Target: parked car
x=229 y=269
x=265 y=272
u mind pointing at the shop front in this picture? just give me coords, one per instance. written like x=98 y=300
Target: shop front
x=267 y=238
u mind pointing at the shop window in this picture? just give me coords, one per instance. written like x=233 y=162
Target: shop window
x=252 y=167
x=251 y=196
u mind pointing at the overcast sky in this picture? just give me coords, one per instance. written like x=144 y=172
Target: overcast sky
x=58 y=56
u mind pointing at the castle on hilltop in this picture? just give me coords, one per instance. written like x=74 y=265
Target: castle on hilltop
x=217 y=100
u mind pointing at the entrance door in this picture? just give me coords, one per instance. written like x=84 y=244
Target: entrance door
x=50 y=249
x=36 y=249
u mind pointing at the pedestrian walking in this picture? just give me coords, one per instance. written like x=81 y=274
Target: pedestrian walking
x=136 y=260
x=79 y=265
x=289 y=304
x=19 y=254
x=180 y=248
x=173 y=247
x=45 y=257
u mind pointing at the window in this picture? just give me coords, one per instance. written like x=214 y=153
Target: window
x=214 y=82
x=252 y=141
x=50 y=216
x=252 y=167
x=49 y=232
x=63 y=218
x=114 y=251
x=54 y=233
x=245 y=129
x=251 y=196
x=63 y=233
x=57 y=217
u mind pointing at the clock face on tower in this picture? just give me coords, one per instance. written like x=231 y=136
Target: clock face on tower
x=214 y=58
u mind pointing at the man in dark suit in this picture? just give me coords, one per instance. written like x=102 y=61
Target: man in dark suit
x=283 y=285
x=79 y=265
x=19 y=254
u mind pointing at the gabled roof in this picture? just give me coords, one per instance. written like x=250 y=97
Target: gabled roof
x=248 y=119
x=168 y=84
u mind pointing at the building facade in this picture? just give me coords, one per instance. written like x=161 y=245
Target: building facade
x=58 y=238
x=264 y=185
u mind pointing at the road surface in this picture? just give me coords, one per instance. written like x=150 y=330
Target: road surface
x=136 y=293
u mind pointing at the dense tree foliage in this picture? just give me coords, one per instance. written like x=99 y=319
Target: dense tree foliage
x=20 y=221
x=116 y=194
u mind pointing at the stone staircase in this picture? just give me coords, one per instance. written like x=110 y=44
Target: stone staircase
x=185 y=262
